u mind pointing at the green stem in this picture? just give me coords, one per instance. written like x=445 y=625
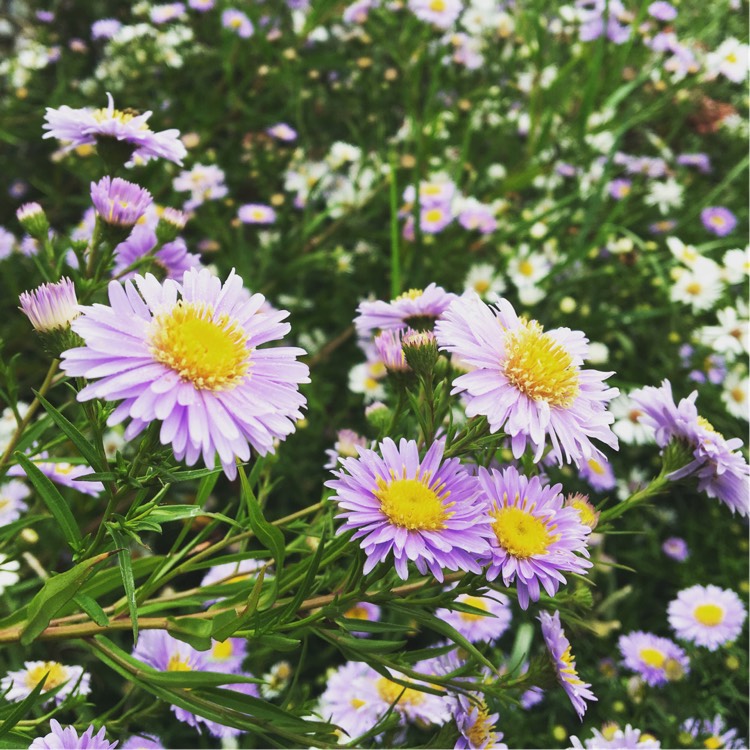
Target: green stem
x=654 y=487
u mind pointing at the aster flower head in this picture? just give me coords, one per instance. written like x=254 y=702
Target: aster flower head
x=721 y=470
x=172 y=259
x=119 y=202
x=476 y=725
x=105 y=28
x=424 y=510
x=475 y=627
x=66 y=738
x=564 y=662
x=440 y=13
x=63 y=473
x=598 y=472
x=614 y=738
x=193 y=364
x=32 y=218
x=389 y=347
x=707 y=615
x=51 y=307
x=527 y=381
x=347 y=445
x=12 y=505
x=365 y=611
x=227 y=655
x=81 y=127
x=70 y=679
x=534 y=537
x=588 y=513
x=236 y=21
x=676 y=548
x=710 y=733
x=142 y=742
x=256 y=213
x=282 y=132
x=718 y=220
x=657 y=660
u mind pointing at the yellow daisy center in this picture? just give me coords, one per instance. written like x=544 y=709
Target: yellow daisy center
x=587 y=512
x=57 y=675
x=390 y=691
x=208 y=350
x=437 y=5
x=652 y=657
x=413 y=504
x=693 y=288
x=434 y=214
x=177 y=663
x=222 y=650
x=477 y=602
x=713 y=742
x=102 y=115
x=411 y=294
x=481 y=286
x=356 y=703
x=480 y=731
x=709 y=614
x=568 y=672
x=357 y=612
x=706 y=425
x=525 y=268
x=431 y=189
x=539 y=367
x=595 y=466
x=520 y=533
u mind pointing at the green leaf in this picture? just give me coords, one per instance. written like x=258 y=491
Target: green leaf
x=92 y=609
x=223 y=632
x=205 y=488
x=14 y=740
x=521 y=646
x=196 y=633
x=11 y=530
x=268 y=535
x=55 y=594
x=167 y=513
x=125 y=562
x=53 y=500
x=22 y=709
x=275 y=642
x=85 y=447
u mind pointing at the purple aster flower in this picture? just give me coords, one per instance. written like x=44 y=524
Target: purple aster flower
x=236 y=21
x=347 y=445
x=433 y=219
x=12 y=505
x=201 y=5
x=707 y=615
x=282 y=132
x=662 y=227
x=440 y=13
x=662 y=11
x=431 y=193
x=227 y=656
x=193 y=365
x=68 y=739
x=51 y=307
x=72 y=680
x=105 y=28
x=721 y=472
x=718 y=220
x=358 y=11
x=172 y=258
x=657 y=660
x=366 y=611
x=528 y=382
x=476 y=725
x=256 y=213
x=142 y=742
x=167 y=12
x=531 y=697
x=711 y=733
x=599 y=474
x=564 y=662
x=7 y=243
x=62 y=472
x=614 y=738
x=389 y=348
x=477 y=627
x=535 y=538
x=119 y=202
x=426 y=511
x=700 y=161
x=676 y=548
x=478 y=216
x=620 y=188
x=80 y=127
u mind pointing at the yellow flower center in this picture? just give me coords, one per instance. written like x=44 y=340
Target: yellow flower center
x=390 y=691
x=706 y=425
x=539 y=367
x=480 y=733
x=478 y=602
x=411 y=294
x=587 y=512
x=208 y=350
x=709 y=614
x=520 y=533
x=568 y=672
x=693 y=288
x=595 y=466
x=431 y=189
x=413 y=504
x=713 y=742
x=57 y=675
x=434 y=214
x=437 y=5
x=102 y=115
x=481 y=286
x=176 y=663
x=222 y=650
x=357 y=703
x=357 y=612
x=731 y=58
x=525 y=268
x=652 y=657
x=737 y=395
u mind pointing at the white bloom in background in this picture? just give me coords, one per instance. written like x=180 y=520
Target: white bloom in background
x=732 y=334
x=8 y=575
x=598 y=353
x=527 y=268
x=21 y=682
x=341 y=153
x=627 y=425
x=730 y=59
x=112 y=441
x=664 y=195
x=736 y=265
x=276 y=679
x=530 y=295
x=365 y=379
x=736 y=394
x=699 y=286
x=484 y=280
x=686 y=254
x=12 y=505
x=497 y=172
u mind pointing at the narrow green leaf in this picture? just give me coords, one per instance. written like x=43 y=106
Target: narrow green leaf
x=225 y=630
x=22 y=709
x=167 y=513
x=92 y=609
x=268 y=535
x=522 y=645
x=196 y=633
x=126 y=572
x=206 y=487
x=14 y=740
x=55 y=594
x=53 y=500
x=85 y=447
x=275 y=642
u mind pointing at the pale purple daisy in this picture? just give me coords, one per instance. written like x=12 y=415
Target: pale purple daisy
x=718 y=220
x=81 y=127
x=166 y=12
x=119 y=202
x=478 y=216
x=232 y=572
x=62 y=472
x=417 y=308
x=433 y=219
x=620 y=188
x=721 y=470
x=440 y=13
x=343 y=702
x=142 y=742
x=12 y=505
x=676 y=548
x=365 y=611
x=201 y=5
x=192 y=364
x=236 y=21
x=427 y=511
x=256 y=213
x=476 y=725
x=347 y=445
x=476 y=627
x=438 y=192
x=535 y=538
x=564 y=663
x=662 y=11
x=707 y=615
x=227 y=655
x=712 y=733
x=701 y=161
x=389 y=347
x=7 y=243
x=598 y=472
x=282 y=132
x=67 y=738
x=657 y=660
x=172 y=258
x=105 y=28
x=51 y=307
x=203 y=181
x=71 y=680
x=614 y=738
x=527 y=381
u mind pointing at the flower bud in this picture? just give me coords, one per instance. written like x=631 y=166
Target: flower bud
x=420 y=350
x=33 y=219
x=171 y=223
x=51 y=307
